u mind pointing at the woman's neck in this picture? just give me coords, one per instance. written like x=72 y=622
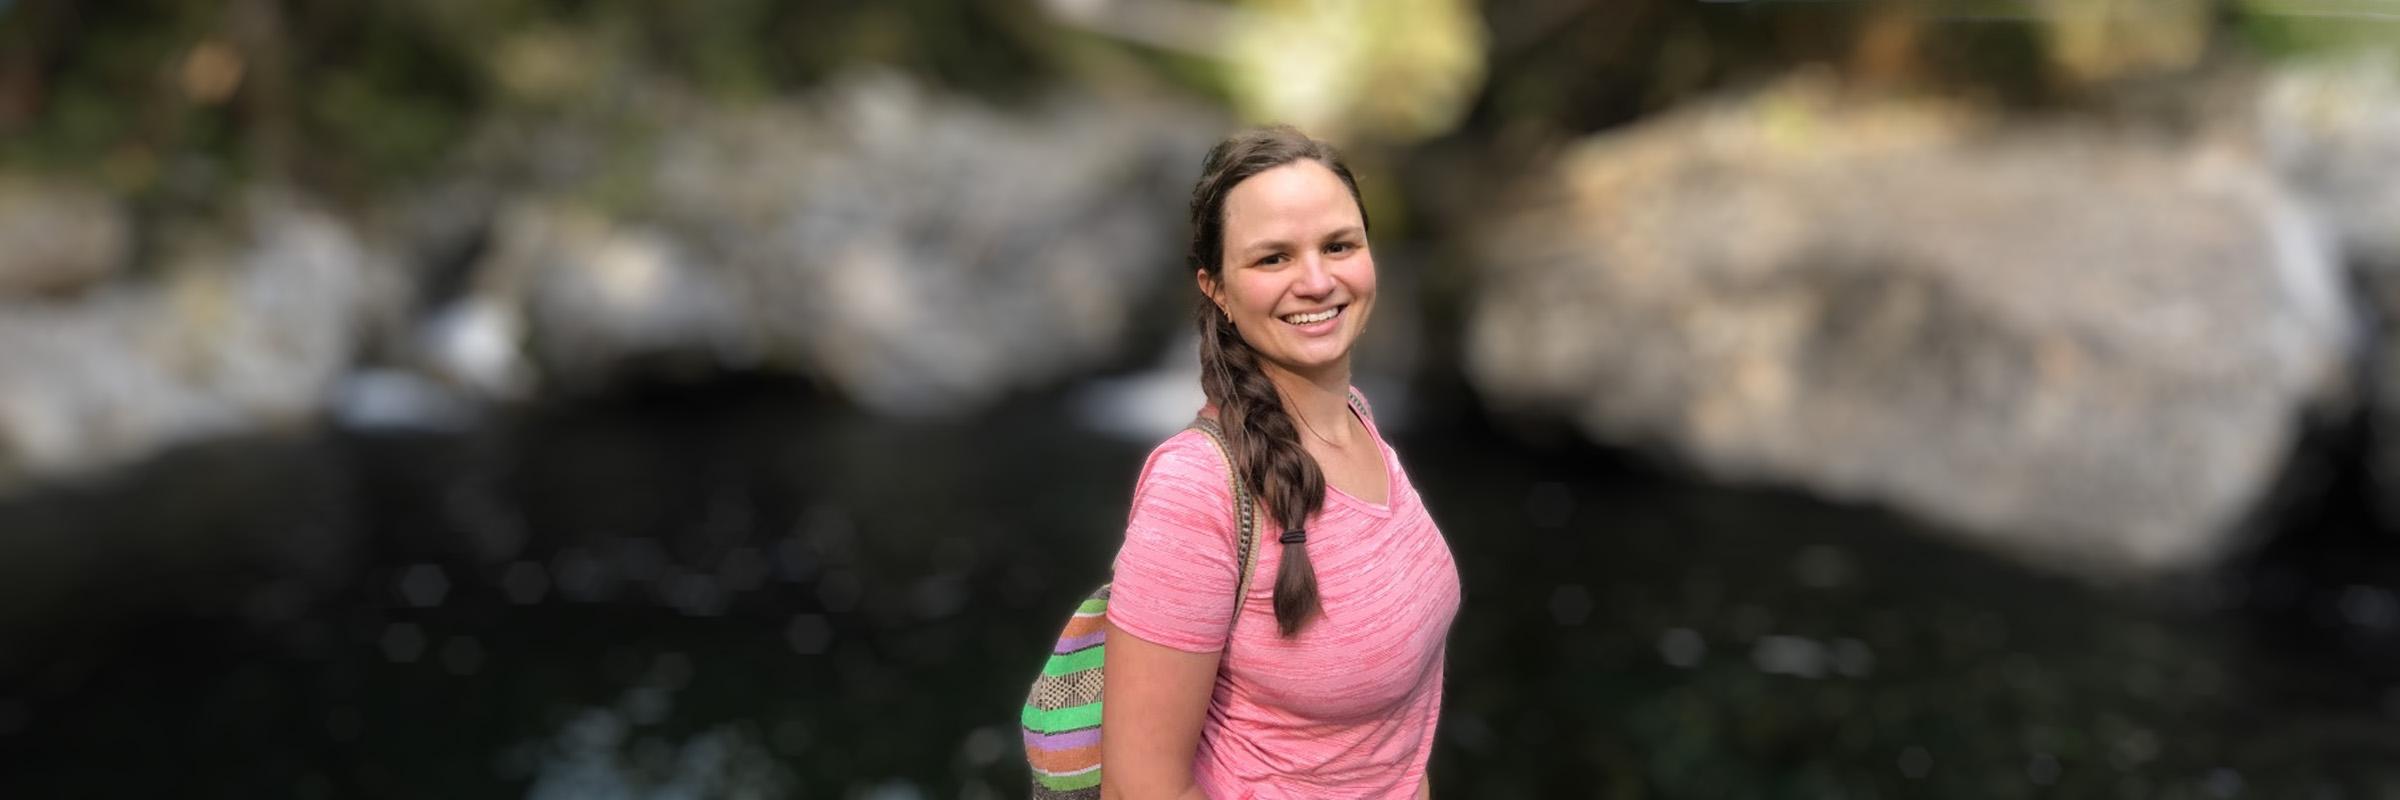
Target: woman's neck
x=1320 y=401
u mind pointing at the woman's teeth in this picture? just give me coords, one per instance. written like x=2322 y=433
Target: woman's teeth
x=1310 y=319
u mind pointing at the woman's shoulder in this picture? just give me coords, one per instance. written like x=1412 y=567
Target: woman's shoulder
x=1184 y=487
x=1191 y=458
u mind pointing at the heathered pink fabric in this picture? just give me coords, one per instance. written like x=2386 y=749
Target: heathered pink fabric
x=1345 y=710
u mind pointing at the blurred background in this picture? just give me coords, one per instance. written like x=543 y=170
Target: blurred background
x=602 y=398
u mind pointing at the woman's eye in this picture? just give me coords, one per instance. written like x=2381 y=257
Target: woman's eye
x=1339 y=247
x=1271 y=260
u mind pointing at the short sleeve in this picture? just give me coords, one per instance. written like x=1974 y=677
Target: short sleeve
x=1176 y=573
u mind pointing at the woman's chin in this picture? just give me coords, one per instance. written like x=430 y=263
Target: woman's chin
x=1313 y=362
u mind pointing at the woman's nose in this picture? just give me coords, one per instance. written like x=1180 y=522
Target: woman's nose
x=1316 y=276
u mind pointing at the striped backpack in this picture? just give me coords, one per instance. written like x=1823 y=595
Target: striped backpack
x=1062 y=713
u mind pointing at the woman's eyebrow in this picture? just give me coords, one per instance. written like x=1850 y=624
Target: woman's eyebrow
x=1265 y=245
x=1270 y=245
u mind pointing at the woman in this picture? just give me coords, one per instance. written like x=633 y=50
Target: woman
x=1327 y=682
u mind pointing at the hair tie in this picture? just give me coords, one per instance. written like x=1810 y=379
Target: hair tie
x=1294 y=536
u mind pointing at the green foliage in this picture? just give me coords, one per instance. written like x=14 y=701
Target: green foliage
x=354 y=96
x=387 y=93
x=350 y=97
x=2290 y=29
x=90 y=109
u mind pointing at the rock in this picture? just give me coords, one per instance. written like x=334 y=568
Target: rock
x=476 y=344
x=919 y=252
x=595 y=298
x=2332 y=130
x=2084 y=349
x=234 y=342
x=59 y=238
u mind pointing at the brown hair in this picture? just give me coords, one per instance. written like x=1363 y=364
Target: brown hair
x=1266 y=446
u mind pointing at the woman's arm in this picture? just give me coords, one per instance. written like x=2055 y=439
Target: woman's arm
x=1152 y=706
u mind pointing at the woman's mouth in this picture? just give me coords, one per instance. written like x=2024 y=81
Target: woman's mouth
x=1319 y=321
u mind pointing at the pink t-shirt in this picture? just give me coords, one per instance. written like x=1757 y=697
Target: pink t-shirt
x=1347 y=708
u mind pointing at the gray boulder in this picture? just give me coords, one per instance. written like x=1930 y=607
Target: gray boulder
x=251 y=336
x=2332 y=130
x=2085 y=349
x=921 y=253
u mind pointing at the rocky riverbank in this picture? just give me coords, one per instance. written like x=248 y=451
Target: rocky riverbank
x=2089 y=337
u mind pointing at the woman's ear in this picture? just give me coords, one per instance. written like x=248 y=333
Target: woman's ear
x=1208 y=289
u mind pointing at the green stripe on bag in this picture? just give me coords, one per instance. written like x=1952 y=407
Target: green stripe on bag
x=1078 y=661
x=1065 y=719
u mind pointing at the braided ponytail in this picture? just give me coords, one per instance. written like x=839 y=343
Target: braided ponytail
x=1267 y=453
x=1265 y=444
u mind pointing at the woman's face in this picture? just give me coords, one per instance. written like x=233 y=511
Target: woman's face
x=1298 y=279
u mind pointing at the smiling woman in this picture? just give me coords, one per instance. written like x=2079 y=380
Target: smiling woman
x=1330 y=684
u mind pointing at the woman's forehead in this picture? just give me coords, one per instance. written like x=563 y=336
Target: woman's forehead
x=1301 y=197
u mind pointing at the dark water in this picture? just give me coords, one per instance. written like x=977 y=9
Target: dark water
x=748 y=591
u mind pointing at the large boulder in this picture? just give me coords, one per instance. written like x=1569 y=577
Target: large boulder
x=2332 y=130
x=919 y=252
x=2085 y=348
x=248 y=334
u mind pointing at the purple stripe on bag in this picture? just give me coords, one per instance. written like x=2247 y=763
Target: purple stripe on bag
x=1066 y=646
x=1063 y=741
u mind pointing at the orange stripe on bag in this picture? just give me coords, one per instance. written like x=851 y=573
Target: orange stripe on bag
x=1057 y=761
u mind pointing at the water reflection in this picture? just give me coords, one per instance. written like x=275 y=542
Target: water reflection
x=615 y=752
x=742 y=591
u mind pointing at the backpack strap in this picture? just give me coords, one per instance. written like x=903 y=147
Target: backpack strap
x=1244 y=512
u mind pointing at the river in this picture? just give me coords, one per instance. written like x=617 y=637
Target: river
x=747 y=589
